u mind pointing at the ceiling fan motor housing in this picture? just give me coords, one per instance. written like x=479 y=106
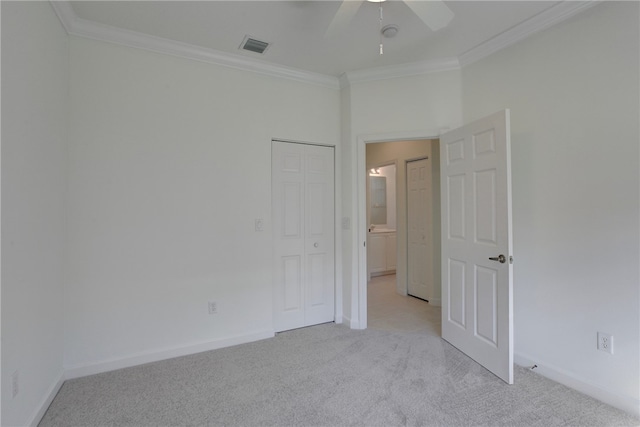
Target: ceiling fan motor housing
x=389 y=31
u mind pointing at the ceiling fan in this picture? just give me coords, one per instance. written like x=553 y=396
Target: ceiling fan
x=434 y=13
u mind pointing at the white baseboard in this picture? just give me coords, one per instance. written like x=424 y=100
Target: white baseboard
x=626 y=403
x=162 y=354
x=49 y=396
x=353 y=324
x=346 y=320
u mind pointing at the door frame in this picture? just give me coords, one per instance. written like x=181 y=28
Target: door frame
x=361 y=220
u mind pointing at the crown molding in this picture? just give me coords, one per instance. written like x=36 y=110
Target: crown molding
x=88 y=29
x=543 y=20
x=402 y=70
x=92 y=30
x=65 y=13
x=343 y=80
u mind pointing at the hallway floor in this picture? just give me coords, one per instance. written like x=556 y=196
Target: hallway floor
x=387 y=310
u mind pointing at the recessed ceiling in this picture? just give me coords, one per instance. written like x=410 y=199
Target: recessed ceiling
x=296 y=30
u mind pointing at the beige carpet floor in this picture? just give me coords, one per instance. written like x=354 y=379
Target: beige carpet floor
x=395 y=373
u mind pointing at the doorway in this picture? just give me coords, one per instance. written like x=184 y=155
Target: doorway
x=403 y=153
x=476 y=173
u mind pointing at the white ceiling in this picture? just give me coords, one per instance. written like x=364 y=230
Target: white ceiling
x=296 y=29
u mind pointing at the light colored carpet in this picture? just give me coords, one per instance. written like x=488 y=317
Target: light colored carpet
x=389 y=311
x=326 y=375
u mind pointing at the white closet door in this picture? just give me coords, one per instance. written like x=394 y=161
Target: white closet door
x=304 y=249
x=420 y=230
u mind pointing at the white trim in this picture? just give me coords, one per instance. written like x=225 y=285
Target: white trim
x=93 y=30
x=339 y=291
x=402 y=70
x=46 y=402
x=554 y=15
x=295 y=141
x=65 y=13
x=626 y=403
x=352 y=324
x=343 y=80
x=162 y=354
x=359 y=164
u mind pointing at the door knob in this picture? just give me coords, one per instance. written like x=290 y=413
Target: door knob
x=315 y=245
x=500 y=258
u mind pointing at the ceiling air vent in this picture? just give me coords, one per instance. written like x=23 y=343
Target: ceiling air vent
x=254 y=45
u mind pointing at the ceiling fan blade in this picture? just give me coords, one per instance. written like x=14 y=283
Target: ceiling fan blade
x=343 y=17
x=434 y=13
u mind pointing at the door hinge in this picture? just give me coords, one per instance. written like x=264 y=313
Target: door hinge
x=510 y=260
x=364 y=244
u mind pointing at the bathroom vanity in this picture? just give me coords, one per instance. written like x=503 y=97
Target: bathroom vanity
x=381 y=251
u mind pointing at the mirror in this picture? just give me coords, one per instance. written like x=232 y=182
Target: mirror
x=378 y=186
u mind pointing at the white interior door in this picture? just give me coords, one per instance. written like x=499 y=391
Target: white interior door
x=419 y=229
x=477 y=288
x=303 y=222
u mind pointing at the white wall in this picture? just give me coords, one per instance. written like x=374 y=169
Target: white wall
x=388 y=110
x=427 y=102
x=34 y=150
x=574 y=96
x=169 y=167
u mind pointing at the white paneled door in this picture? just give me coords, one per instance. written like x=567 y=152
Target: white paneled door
x=419 y=229
x=477 y=288
x=303 y=233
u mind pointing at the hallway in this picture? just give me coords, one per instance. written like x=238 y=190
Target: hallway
x=390 y=311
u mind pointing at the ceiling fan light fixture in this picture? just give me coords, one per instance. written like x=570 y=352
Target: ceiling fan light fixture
x=389 y=31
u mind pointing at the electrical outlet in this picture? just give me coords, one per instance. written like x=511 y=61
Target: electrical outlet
x=15 y=384
x=213 y=307
x=605 y=342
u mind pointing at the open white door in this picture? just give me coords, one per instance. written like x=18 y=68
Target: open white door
x=477 y=277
